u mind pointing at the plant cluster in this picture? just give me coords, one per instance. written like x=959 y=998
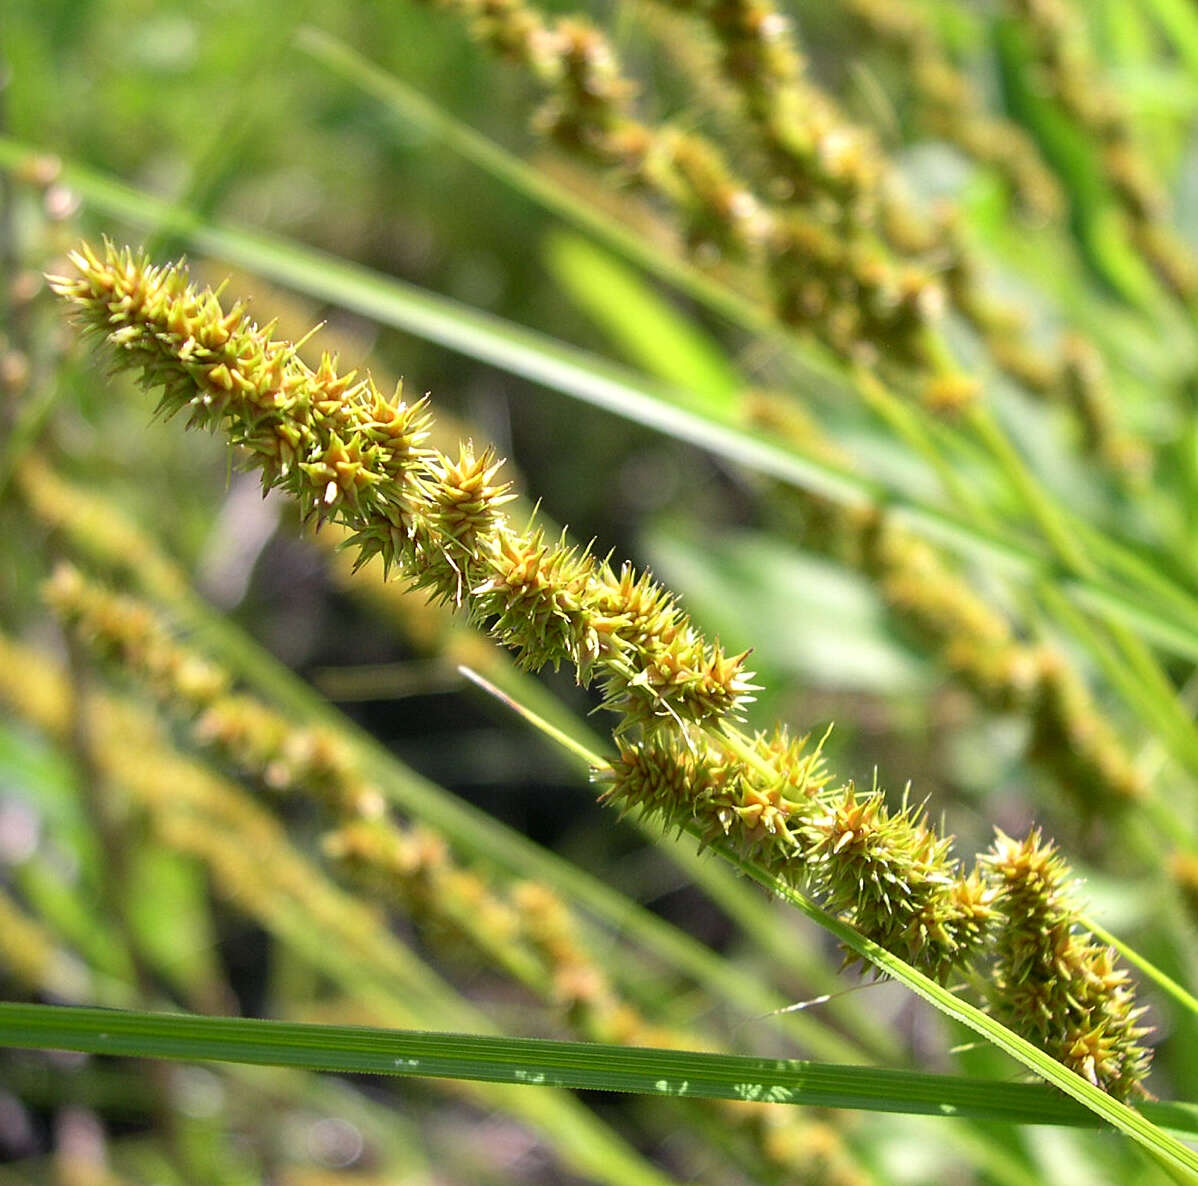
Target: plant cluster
x=348 y=453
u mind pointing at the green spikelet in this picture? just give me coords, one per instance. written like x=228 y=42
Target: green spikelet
x=895 y=880
x=885 y=872
x=1051 y=980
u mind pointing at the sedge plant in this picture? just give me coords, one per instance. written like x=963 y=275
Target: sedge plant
x=345 y=451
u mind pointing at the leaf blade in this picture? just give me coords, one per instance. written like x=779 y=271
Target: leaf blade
x=539 y=1062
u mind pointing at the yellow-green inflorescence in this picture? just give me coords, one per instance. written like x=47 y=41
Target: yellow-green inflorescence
x=1056 y=37
x=241 y=729
x=884 y=871
x=349 y=453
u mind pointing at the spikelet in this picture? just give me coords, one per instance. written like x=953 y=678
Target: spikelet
x=245 y=732
x=348 y=453
x=1067 y=69
x=849 y=293
x=1051 y=980
x=814 y=153
x=950 y=106
x=886 y=872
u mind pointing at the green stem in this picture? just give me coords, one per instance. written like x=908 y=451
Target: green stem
x=1161 y=979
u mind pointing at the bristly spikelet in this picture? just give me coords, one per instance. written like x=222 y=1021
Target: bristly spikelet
x=1068 y=70
x=895 y=880
x=887 y=873
x=129 y=633
x=536 y=598
x=1051 y=980
x=688 y=782
x=947 y=102
x=349 y=453
x=462 y=500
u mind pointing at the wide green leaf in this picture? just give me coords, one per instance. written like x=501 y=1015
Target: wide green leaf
x=598 y=382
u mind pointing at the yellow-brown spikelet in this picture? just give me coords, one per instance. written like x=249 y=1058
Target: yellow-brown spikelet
x=532 y=594
x=850 y=292
x=97 y=528
x=1070 y=735
x=589 y=109
x=895 y=880
x=589 y=112
x=1051 y=980
x=1082 y=380
x=1069 y=726
x=715 y=208
x=244 y=731
x=461 y=498
x=348 y=453
x=813 y=153
x=1069 y=71
x=411 y=866
x=133 y=635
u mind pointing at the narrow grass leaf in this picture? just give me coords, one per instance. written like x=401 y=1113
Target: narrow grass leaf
x=537 y=1062
x=602 y=384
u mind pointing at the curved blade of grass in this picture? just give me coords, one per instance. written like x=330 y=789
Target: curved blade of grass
x=537 y=1062
x=1119 y=1115
x=596 y=381
x=1132 y=1122
x=544 y=191
x=651 y=333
